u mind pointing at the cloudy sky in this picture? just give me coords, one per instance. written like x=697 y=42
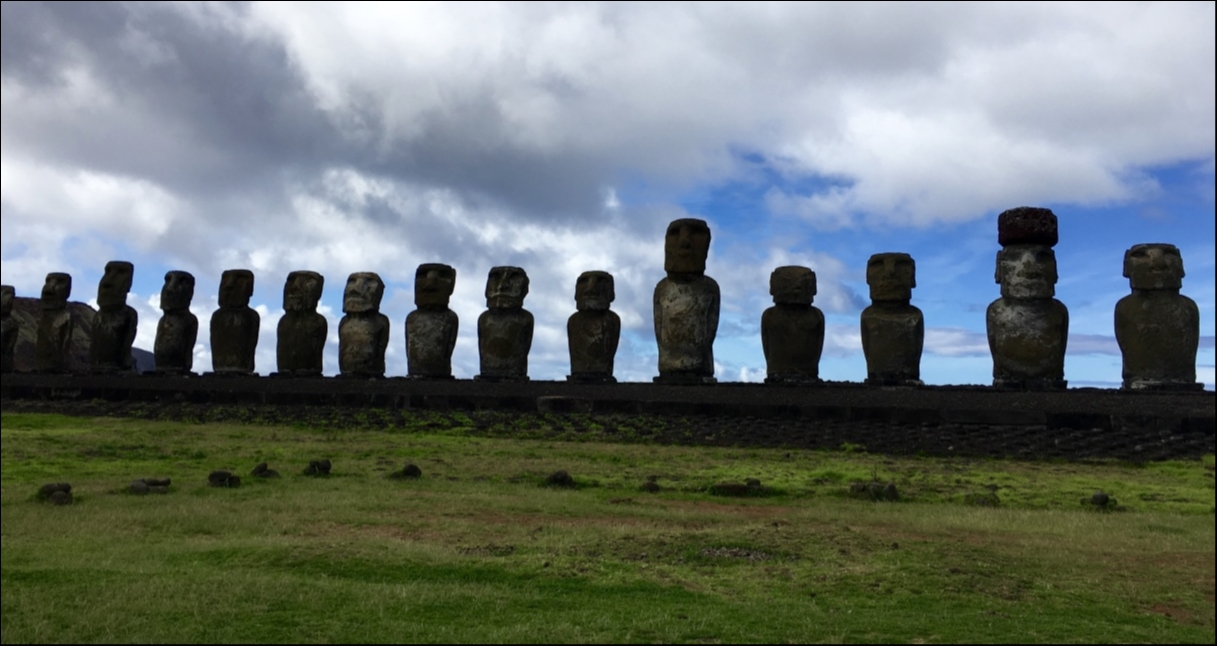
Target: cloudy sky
x=564 y=137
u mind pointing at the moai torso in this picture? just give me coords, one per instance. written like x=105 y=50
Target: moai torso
x=1158 y=329
x=53 y=347
x=363 y=334
x=235 y=326
x=893 y=331
x=1027 y=328
x=301 y=334
x=431 y=329
x=115 y=323
x=792 y=331
x=686 y=306
x=9 y=329
x=593 y=332
x=178 y=329
x=505 y=329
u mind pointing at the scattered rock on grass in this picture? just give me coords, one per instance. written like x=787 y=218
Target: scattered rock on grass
x=264 y=471
x=318 y=468
x=408 y=472
x=560 y=479
x=145 y=486
x=56 y=493
x=60 y=498
x=750 y=487
x=223 y=479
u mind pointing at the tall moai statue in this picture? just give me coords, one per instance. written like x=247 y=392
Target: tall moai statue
x=9 y=329
x=893 y=330
x=53 y=347
x=363 y=334
x=1158 y=328
x=115 y=323
x=235 y=326
x=592 y=332
x=1027 y=327
x=302 y=331
x=505 y=328
x=431 y=329
x=792 y=331
x=686 y=306
x=178 y=329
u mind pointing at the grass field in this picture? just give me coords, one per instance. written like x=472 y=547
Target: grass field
x=480 y=550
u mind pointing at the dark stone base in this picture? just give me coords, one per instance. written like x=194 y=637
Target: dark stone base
x=893 y=382
x=170 y=372
x=431 y=377
x=591 y=378
x=1036 y=385
x=780 y=380
x=228 y=374
x=684 y=379
x=500 y=379
x=1159 y=386
x=358 y=376
x=298 y=374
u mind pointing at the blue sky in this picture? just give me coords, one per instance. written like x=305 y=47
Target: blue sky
x=563 y=137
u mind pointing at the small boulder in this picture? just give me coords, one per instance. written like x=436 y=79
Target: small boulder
x=560 y=479
x=158 y=490
x=138 y=488
x=223 y=479
x=752 y=482
x=731 y=489
x=650 y=486
x=1100 y=499
x=47 y=490
x=60 y=498
x=153 y=482
x=318 y=468
x=259 y=470
x=409 y=472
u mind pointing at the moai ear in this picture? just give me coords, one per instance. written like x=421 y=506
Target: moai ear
x=997 y=269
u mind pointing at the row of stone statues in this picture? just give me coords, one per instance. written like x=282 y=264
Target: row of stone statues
x=1156 y=327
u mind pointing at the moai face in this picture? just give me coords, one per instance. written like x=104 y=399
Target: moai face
x=363 y=293
x=177 y=292
x=1154 y=266
x=302 y=291
x=56 y=291
x=433 y=285
x=686 y=246
x=1026 y=271
x=236 y=288
x=506 y=288
x=594 y=290
x=6 y=300
x=115 y=284
x=891 y=276
x=792 y=285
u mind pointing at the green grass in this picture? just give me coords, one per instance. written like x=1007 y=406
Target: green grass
x=478 y=550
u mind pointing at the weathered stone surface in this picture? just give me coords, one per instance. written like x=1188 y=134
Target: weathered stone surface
x=318 y=468
x=302 y=331
x=52 y=352
x=225 y=479
x=893 y=330
x=593 y=332
x=138 y=488
x=431 y=329
x=363 y=334
x=792 y=331
x=10 y=329
x=686 y=306
x=178 y=329
x=1027 y=328
x=409 y=472
x=115 y=323
x=235 y=326
x=264 y=471
x=560 y=479
x=505 y=328
x=60 y=498
x=1158 y=328
x=49 y=489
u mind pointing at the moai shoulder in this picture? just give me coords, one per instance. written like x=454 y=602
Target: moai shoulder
x=1157 y=328
x=792 y=331
x=593 y=331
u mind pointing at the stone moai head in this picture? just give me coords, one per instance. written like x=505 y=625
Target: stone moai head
x=891 y=276
x=56 y=291
x=7 y=294
x=115 y=284
x=236 y=288
x=686 y=246
x=1154 y=266
x=433 y=285
x=792 y=285
x=178 y=291
x=594 y=290
x=1026 y=265
x=302 y=291
x=363 y=293
x=506 y=288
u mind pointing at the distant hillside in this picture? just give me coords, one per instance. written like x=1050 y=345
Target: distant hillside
x=27 y=311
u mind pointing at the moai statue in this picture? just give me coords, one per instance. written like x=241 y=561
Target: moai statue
x=53 y=348
x=114 y=324
x=1027 y=327
x=893 y=331
x=505 y=329
x=178 y=329
x=1158 y=328
x=235 y=326
x=302 y=331
x=593 y=331
x=363 y=334
x=686 y=307
x=431 y=329
x=10 y=327
x=792 y=331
